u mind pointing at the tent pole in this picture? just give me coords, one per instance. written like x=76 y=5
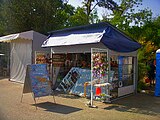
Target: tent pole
x=91 y=101
x=108 y=75
x=9 y=61
x=91 y=77
x=135 y=74
x=51 y=56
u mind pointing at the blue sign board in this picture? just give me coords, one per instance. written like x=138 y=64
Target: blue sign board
x=157 y=87
x=40 y=83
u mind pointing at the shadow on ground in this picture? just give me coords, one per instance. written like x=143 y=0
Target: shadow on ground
x=65 y=95
x=141 y=103
x=2 y=78
x=57 y=108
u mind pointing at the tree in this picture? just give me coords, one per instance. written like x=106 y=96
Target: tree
x=90 y=6
x=88 y=13
x=148 y=36
x=151 y=31
x=78 y=18
x=38 y=15
x=126 y=15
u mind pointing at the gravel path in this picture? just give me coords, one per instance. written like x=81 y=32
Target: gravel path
x=68 y=107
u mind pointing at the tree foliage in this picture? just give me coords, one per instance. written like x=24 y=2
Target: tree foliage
x=91 y=4
x=38 y=15
x=126 y=15
x=83 y=15
x=41 y=15
x=148 y=35
x=150 y=38
x=79 y=18
x=90 y=7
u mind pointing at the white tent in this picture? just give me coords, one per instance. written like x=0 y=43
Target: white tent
x=22 y=49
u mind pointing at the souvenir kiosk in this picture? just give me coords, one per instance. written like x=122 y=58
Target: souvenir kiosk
x=101 y=56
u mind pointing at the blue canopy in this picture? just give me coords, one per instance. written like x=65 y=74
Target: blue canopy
x=103 y=32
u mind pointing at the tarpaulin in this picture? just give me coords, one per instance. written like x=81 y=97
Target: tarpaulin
x=104 y=32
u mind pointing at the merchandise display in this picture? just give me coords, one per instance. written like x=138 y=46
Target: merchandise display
x=100 y=71
x=100 y=65
x=106 y=83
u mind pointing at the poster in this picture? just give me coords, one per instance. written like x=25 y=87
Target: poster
x=120 y=67
x=85 y=77
x=40 y=57
x=69 y=80
x=37 y=80
x=58 y=60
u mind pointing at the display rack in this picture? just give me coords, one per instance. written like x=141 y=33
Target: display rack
x=100 y=70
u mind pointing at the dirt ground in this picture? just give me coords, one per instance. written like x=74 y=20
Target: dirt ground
x=138 y=107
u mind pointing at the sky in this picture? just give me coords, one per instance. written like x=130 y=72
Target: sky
x=154 y=5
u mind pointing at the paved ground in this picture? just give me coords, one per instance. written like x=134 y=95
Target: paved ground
x=137 y=107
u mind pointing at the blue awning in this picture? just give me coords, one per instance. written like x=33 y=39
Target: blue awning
x=116 y=41
x=104 y=32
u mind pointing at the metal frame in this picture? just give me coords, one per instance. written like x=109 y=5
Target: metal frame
x=100 y=51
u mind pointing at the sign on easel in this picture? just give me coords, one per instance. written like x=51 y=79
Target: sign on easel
x=37 y=81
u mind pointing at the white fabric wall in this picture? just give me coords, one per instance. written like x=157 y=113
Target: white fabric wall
x=21 y=53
